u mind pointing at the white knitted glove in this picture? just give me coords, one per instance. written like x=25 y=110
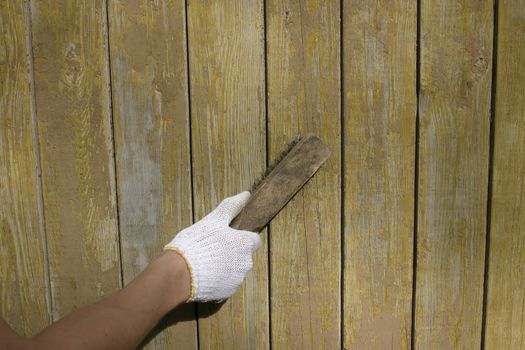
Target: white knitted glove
x=218 y=256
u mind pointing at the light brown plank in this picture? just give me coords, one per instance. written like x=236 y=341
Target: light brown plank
x=228 y=137
x=505 y=318
x=380 y=113
x=454 y=105
x=72 y=101
x=304 y=97
x=23 y=271
x=150 y=108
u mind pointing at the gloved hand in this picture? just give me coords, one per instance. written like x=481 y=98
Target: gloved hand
x=218 y=256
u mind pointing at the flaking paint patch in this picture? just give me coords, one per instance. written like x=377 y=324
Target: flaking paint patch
x=99 y=223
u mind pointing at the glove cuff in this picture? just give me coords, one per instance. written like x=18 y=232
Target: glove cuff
x=193 y=285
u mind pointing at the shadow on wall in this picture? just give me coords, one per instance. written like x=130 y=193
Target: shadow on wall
x=184 y=312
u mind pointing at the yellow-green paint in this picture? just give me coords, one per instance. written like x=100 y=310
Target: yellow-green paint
x=454 y=110
x=76 y=150
x=24 y=291
x=150 y=113
x=226 y=65
x=355 y=88
x=305 y=238
x=379 y=132
x=505 y=318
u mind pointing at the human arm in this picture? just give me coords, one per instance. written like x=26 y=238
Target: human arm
x=120 y=321
x=209 y=255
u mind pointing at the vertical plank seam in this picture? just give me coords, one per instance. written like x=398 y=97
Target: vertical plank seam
x=416 y=178
x=342 y=175
x=490 y=172
x=38 y=165
x=113 y=168
x=190 y=147
x=267 y=158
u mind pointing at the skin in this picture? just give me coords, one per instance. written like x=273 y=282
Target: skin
x=122 y=320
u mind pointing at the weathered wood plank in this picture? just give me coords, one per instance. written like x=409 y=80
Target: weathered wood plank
x=226 y=60
x=380 y=113
x=73 y=115
x=150 y=108
x=23 y=277
x=505 y=318
x=304 y=97
x=454 y=105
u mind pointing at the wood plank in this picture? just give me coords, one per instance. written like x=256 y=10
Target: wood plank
x=380 y=113
x=24 y=289
x=454 y=105
x=304 y=97
x=73 y=114
x=150 y=108
x=226 y=65
x=505 y=317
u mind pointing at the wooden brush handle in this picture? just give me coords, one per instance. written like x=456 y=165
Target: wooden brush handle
x=283 y=182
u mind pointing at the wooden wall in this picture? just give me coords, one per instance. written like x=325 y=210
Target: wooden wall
x=122 y=122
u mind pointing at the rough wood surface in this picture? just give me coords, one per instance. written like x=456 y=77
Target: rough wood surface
x=67 y=131
x=454 y=106
x=73 y=115
x=150 y=109
x=282 y=183
x=379 y=125
x=226 y=66
x=24 y=289
x=505 y=316
x=305 y=237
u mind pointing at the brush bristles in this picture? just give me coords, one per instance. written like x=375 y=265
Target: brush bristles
x=281 y=156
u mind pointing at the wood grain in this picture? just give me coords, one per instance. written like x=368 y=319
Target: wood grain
x=505 y=316
x=380 y=112
x=24 y=289
x=73 y=114
x=226 y=66
x=454 y=106
x=303 y=97
x=150 y=109
x=67 y=128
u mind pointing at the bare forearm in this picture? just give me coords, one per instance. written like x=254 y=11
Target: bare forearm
x=218 y=256
x=122 y=320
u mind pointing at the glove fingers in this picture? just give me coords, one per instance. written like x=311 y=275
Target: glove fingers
x=229 y=208
x=253 y=238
